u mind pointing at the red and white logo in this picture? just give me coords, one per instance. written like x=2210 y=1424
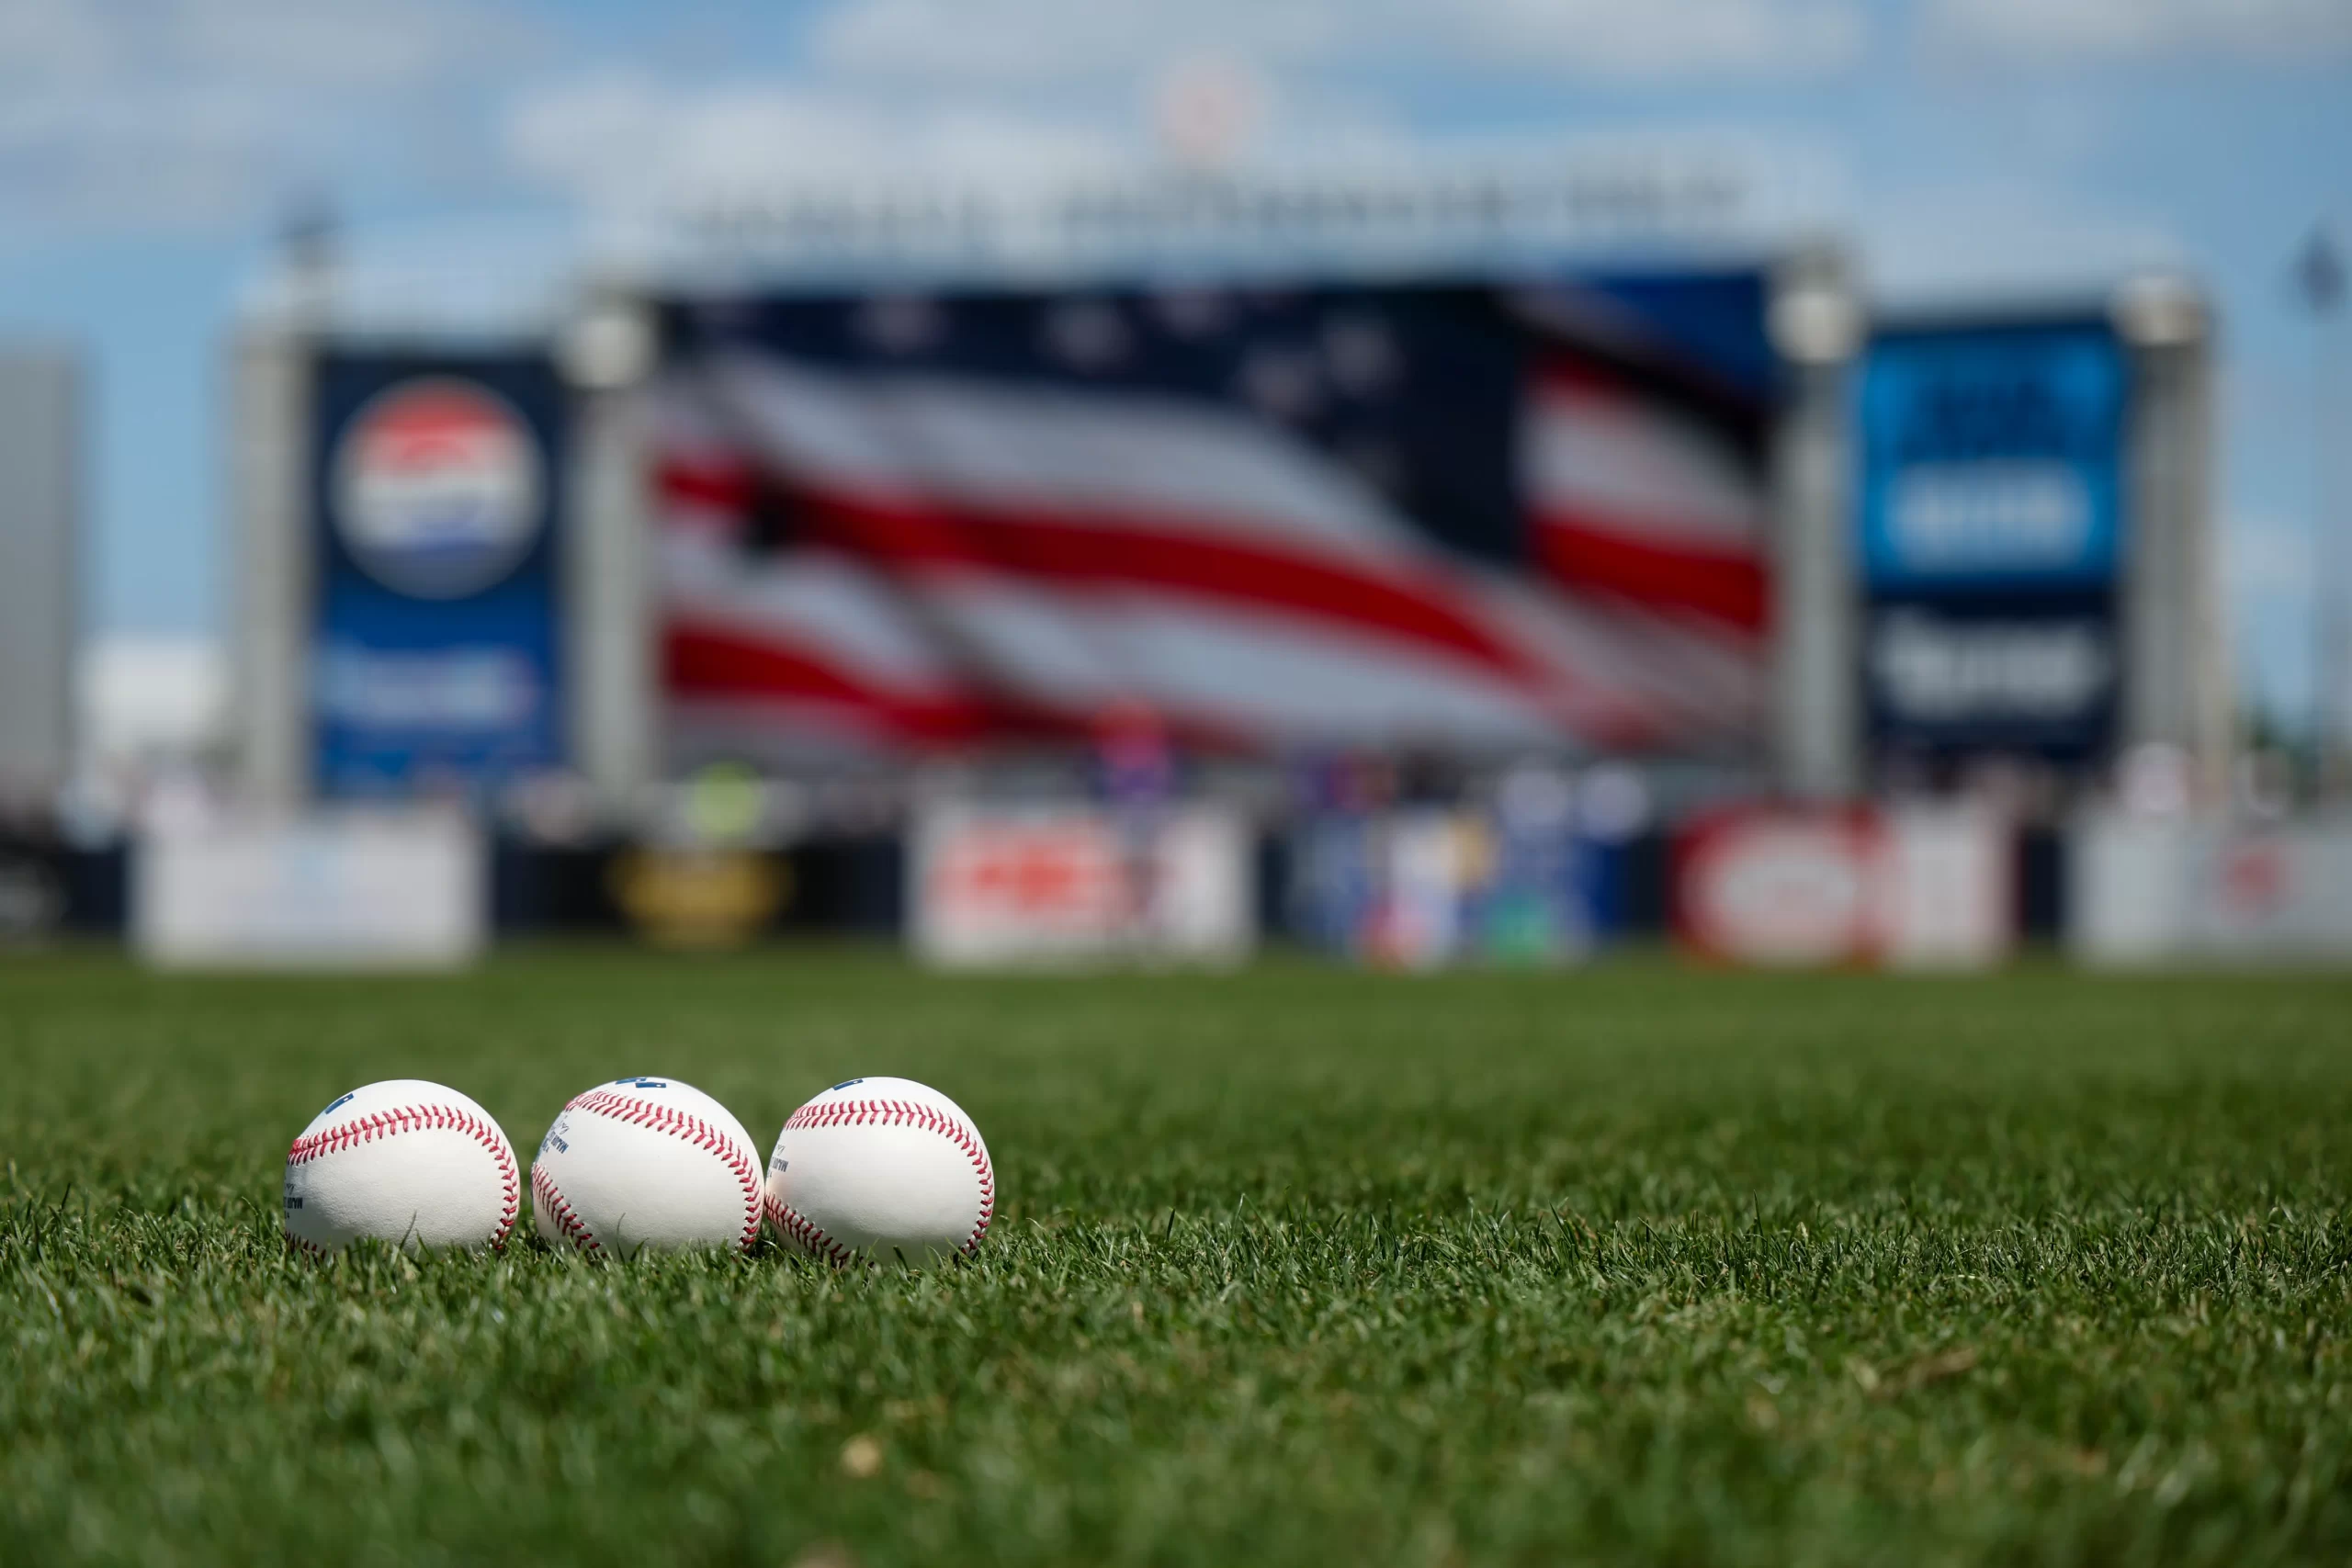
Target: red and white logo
x=439 y=488
x=1762 y=885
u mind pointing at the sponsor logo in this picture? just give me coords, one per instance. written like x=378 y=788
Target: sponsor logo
x=1782 y=890
x=493 y=690
x=639 y=1083
x=698 y=898
x=439 y=488
x=337 y=1104
x=1990 y=516
x=1931 y=670
x=1992 y=454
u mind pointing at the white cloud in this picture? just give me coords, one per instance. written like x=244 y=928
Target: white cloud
x=2070 y=31
x=1652 y=43
x=122 y=159
x=1004 y=41
x=1997 y=238
x=45 y=37
x=143 y=113
x=991 y=90
x=629 y=139
x=635 y=150
x=317 y=43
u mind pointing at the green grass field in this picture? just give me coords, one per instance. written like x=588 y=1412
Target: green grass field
x=1636 y=1265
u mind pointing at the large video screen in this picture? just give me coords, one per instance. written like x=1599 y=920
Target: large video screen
x=1463 y=518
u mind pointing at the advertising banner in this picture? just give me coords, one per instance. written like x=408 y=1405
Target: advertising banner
x=1762 y=885
x=1424 y=888
x=1992 y=456
x=1990 y=530
x=2020 y=673
x=1007 y=885
x=1905 y=886
x=1947 y=894
x=362 y=889
x=436 y=488
x=2154 y=890
x=699 y=898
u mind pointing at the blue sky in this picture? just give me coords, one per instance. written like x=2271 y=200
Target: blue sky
x=1965 y=147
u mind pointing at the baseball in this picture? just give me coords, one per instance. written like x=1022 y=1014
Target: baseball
x=404 y=1161
x=646 y=1164
x=881 y=1167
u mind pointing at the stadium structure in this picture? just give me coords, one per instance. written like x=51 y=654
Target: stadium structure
x=1589 y=495
x=1484 y=463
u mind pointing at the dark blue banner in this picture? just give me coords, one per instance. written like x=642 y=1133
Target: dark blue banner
x=1992 y=457
x=437 y=487
x=2035 y=674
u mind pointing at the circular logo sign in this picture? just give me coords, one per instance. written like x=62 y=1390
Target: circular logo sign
x=437 y=487
x=1762 y=888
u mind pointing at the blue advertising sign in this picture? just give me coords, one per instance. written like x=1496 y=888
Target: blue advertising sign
x=437 y=487
x=1992 y=456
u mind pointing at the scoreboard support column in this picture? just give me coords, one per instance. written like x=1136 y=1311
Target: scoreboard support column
x=41 y=455
x=2176 y=678
x=604 y=353
x=270 y=398
x=1814 y=722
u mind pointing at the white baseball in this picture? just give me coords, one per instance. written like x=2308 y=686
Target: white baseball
x=404 y=1161
x=646 y=1165
x=881 y=1167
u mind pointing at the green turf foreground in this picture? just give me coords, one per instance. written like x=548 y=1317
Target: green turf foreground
x=1636 y=1265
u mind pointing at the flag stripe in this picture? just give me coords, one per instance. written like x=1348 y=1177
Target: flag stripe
x=924 y=553
x=701 y=660
x=1591 y=446
x=1639 y=498
x=1019 y=449
x=1077 y=573
x=1582 y=555
x=1107 y=553
x=709 y=663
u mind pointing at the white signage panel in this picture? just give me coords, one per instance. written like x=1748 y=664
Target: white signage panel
x=358 y=890
x=998 y=886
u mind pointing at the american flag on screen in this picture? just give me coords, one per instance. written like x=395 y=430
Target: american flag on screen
x=1465 y=518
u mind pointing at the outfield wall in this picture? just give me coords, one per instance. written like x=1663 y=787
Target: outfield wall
x=1416 y=886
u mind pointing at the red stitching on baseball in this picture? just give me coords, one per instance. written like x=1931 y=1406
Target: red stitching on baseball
x=694 y=1130
x=422 y=1119
x=801 y=1229
x=904 y=1114
x=552 y=1200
